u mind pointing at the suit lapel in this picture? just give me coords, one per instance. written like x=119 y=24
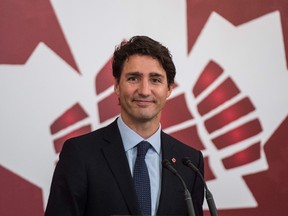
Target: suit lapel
x=168 y=179
x=116 y=158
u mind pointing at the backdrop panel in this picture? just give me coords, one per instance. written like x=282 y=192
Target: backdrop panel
x=230 y=100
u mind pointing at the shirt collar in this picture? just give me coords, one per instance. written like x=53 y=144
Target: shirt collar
x=130 y=138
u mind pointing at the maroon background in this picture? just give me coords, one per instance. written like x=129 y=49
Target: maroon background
x=26 y=23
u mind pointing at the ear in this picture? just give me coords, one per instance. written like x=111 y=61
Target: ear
x=116 y=87
x=170 y=88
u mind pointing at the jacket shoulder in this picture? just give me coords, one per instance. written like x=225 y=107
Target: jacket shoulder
x=100 y=136
x=170 y=140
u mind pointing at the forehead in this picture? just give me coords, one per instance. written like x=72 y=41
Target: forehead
x=143 y=64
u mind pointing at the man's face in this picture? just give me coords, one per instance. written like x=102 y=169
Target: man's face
x=142 y=89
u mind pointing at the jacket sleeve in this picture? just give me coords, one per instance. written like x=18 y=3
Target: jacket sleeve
x=69 y=184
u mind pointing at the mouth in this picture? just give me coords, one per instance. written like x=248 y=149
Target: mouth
x=143 y=102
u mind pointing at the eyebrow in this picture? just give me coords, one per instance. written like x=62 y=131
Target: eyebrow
x=152 y=74
x=155 y=74
x=133 y=73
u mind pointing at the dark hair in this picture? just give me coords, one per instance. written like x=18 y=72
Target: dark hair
x=143 y=45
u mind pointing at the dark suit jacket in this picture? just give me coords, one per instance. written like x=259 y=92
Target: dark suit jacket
x=93 y=178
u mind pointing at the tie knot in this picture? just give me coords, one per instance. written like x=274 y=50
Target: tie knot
x=142 y=148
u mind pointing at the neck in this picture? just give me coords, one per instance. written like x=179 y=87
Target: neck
x=145 y=129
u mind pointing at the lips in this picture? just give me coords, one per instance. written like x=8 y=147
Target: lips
x=143 y=102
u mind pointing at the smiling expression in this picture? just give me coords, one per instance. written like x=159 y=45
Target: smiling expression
x=142 y=89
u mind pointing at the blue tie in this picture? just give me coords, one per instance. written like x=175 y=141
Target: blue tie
x=141 y=178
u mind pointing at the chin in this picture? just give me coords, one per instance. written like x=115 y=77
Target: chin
x=146 y=118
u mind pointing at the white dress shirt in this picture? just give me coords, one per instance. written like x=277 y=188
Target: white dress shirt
x=153 y=158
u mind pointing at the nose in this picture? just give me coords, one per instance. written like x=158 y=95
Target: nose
x=144 y=87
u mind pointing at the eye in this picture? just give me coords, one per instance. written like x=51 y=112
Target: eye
x=154 y=80
x=132 y=78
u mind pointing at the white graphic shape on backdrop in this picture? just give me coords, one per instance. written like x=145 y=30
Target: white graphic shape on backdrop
x=253 y=56
x=35 y=94
x=32 y=96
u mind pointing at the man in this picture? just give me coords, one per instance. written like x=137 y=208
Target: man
x=97 y=172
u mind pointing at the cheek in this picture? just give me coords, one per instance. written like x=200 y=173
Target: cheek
x=165 y=94
x=127 y=91
x=124 y=94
